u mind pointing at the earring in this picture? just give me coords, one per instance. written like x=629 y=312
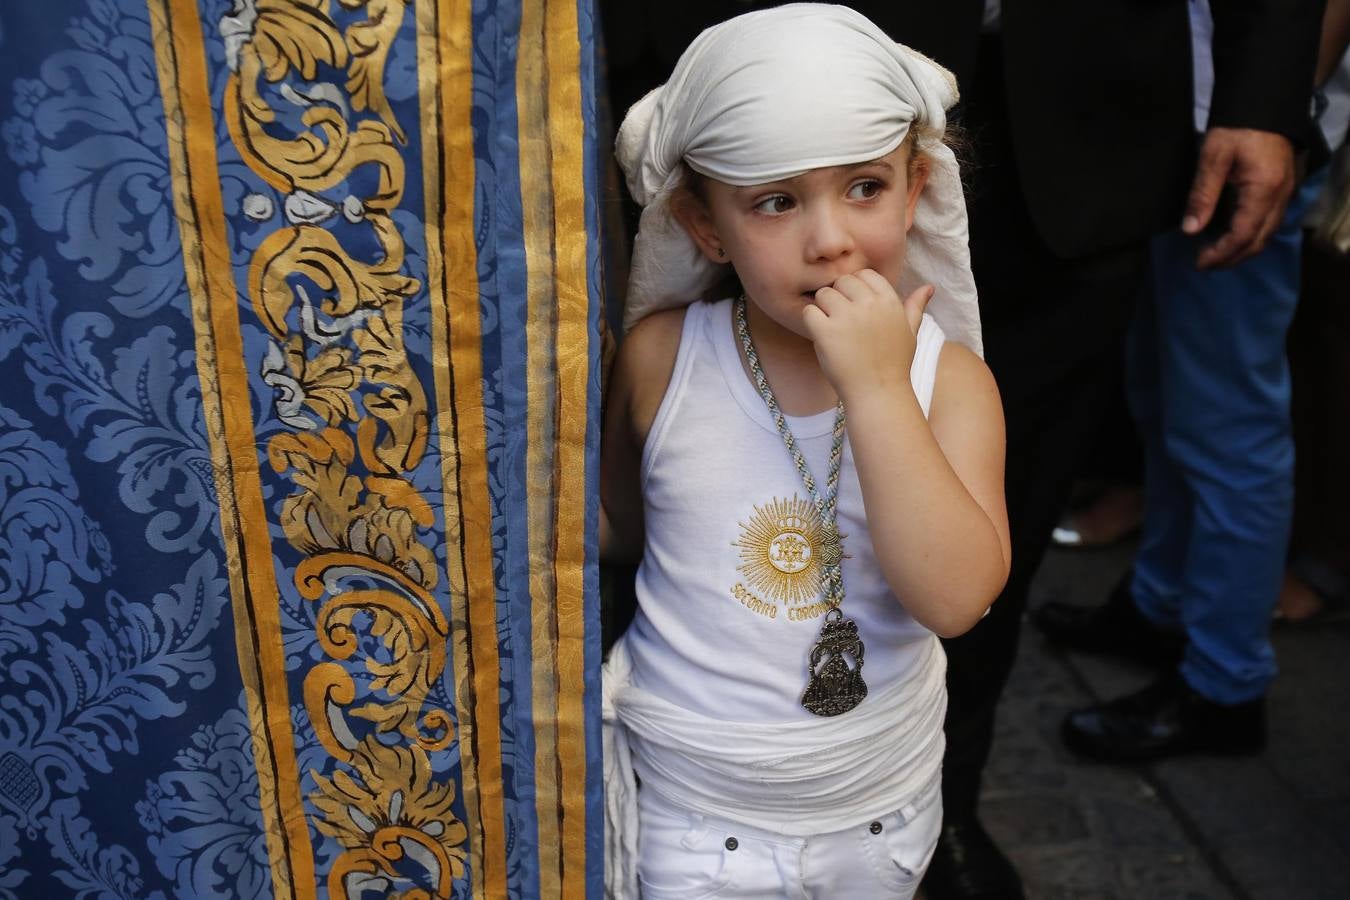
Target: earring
x=721 y=253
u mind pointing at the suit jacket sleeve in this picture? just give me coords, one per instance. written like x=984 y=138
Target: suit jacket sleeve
x=1264 y=55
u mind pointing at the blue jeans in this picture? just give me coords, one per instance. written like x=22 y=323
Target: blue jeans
x=1208 y=384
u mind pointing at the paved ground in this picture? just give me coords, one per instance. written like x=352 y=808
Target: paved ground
x=1272 y=827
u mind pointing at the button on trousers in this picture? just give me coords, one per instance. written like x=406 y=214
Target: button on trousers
x=687 y=856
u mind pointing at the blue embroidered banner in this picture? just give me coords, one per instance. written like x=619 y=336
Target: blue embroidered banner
x=298 y=344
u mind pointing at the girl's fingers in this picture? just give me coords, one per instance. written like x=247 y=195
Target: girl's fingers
x=846 y=289
x=876 y=281
x=828 y=300
x=916 y=303
x=814 y=319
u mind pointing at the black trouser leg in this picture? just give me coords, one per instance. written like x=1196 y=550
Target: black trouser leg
x=1053 y=398
x=1052 y=333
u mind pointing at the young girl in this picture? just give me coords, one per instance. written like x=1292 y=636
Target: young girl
x=810 y=470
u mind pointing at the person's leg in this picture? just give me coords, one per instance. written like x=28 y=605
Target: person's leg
x=1051 y=332
x=884 y=858
x=1141 y=618
x=1319 y=358
x=682 y=854
x=1052 y=395
x=1225 y=426
x=1227 y=429
x=1106 y=505
x=1157 y=572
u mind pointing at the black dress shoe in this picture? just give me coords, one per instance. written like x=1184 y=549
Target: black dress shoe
x=1167 y=718
x=1117 y=628
x=967 y=865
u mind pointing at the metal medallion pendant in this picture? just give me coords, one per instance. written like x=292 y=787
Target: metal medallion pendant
x=836 y=684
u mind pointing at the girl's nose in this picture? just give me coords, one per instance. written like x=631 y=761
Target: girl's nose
x=829 y=236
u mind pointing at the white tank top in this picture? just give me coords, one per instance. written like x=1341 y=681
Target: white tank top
x=729 y=587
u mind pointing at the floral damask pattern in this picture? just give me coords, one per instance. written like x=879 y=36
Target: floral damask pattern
x=89 y=134
x=104 y=470
x=92 y=871
x=213 y=780
x=127 y=739
x=51 y=545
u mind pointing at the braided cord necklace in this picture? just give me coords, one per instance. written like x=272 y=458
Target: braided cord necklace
x=833 y=685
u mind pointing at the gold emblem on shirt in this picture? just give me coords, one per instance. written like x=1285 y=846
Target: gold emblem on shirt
x=782 y=547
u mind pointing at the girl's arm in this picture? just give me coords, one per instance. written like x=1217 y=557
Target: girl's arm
x=620 y=494
x=933 y=491
x=932 y=488
x=638 y=383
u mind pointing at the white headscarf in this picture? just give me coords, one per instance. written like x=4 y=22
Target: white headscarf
x=773 y=94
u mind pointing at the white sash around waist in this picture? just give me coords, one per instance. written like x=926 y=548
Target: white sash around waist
x=798 y=778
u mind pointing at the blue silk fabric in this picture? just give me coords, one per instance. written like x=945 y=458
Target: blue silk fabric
x=298 y=443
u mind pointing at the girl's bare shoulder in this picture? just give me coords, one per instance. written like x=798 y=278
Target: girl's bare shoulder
x=964 y=390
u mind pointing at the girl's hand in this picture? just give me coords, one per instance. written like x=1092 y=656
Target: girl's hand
x=864 y=334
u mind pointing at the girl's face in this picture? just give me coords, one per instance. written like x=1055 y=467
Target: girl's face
x=788 y=238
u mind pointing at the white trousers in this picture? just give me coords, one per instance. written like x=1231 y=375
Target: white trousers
x=683 y=855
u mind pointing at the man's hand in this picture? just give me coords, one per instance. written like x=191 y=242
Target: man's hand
x=1260 y=167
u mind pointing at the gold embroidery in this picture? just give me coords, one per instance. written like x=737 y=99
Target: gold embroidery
x=810 y=611
x=782 y=549
x=753 y=603
x=358 y=425
x=446 y=46
x=227 y=413
x=390 y=812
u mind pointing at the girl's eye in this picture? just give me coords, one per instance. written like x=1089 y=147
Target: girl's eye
x=865 y=190
x=775 y=205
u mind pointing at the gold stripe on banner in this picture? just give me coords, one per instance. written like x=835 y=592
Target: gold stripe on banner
x=536 y=192
x=430 y=86
x=226 y=405
x=567 y=130
x=445 y=76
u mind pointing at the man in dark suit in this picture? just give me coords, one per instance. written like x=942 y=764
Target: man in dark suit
x=1079 y=116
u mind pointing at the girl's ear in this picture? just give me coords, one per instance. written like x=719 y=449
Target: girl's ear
x=919 y=168
x=693 y=215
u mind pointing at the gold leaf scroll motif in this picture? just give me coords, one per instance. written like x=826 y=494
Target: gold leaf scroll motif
x=390 y=811
x=288 y=36
x=355 y=514
x=314 y=253
x=368 y=43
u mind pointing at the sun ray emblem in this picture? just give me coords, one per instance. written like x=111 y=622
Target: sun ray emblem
x=780 y=549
